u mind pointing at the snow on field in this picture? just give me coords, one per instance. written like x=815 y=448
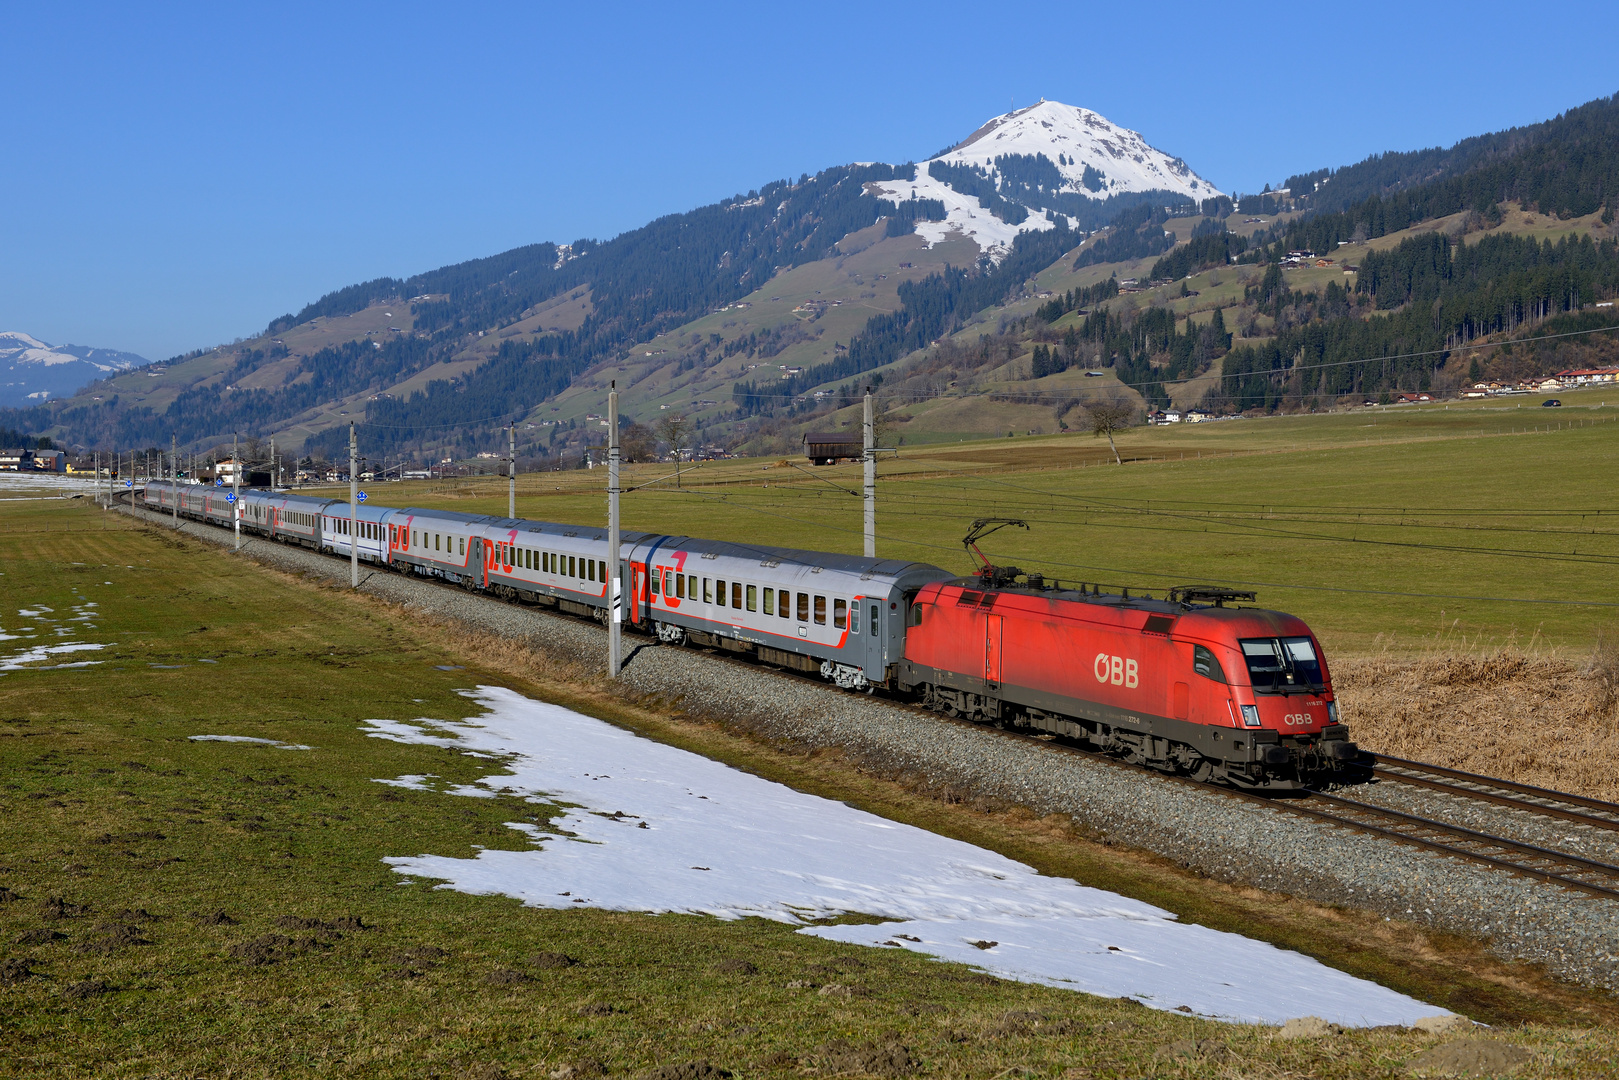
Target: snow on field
x=647 y=827
x=1073 y=140
x=15 y=485
x=247 y=739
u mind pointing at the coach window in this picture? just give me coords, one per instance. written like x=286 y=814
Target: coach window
x=657 y=582
x=680 y=586
x=840 y=614
x=571 y=568
x=820 y=610
x=770 y=601
x=601 y=572
x=719 y=591
x=691 y=586
x=736 y=595
x=461 y=547
x=803 y=607
x=1206 y=665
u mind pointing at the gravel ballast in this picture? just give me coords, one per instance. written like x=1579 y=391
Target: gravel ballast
x=1575 y=935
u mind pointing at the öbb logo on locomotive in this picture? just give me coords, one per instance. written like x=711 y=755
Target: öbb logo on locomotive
x=1201 y=682
x=1117 y=670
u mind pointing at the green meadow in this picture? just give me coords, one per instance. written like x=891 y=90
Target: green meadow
x=172 y=907
x=1489 y=522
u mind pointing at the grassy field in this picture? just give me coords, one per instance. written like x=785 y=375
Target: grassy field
x=170 y=907
x=1381 y=527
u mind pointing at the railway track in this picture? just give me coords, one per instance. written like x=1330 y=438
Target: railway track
x=1563 y=869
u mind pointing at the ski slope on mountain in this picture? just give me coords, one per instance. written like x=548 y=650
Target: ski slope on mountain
x=1095 y=158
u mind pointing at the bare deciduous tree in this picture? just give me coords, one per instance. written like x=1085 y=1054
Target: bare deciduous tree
x=1105 y=417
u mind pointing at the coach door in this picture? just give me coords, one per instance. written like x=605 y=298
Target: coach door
x=992 y=649
x=475 y=559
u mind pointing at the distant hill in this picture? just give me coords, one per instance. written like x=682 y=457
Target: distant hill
x=32 y=372
x=990 y=273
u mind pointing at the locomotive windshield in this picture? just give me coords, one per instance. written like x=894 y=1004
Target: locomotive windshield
x=1279 y=665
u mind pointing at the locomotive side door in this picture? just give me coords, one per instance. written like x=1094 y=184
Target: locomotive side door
x=992 y=650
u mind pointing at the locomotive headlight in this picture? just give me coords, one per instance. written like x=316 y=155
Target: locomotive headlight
x=1250 y=715
x=1332 y=712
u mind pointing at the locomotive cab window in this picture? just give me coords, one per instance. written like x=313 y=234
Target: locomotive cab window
x=1280 y=665
x=916 y=616
x=1206 y=664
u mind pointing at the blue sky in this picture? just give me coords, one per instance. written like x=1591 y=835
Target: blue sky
x=177 y=177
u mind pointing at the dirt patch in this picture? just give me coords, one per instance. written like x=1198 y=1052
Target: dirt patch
x=547 y=961
x=1469 y=1057
x=597 y=1008
x=41 y=936
x=15 y=969
x=735 y=967
x=216 y=918
x=111 y=937
x=273 y=948
x=506 y=977
x=1196 y=1049
x=1535 y=719
x=883 y=1057
x=689 y=1070
x=578 y=1070
x=349 y=923
x=58 y=908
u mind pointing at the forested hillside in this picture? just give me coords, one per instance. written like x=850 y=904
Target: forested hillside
x=1445 y=257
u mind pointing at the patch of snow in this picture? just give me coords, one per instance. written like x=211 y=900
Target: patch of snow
x=24 y=660
x=656 y=829
x=248 y=739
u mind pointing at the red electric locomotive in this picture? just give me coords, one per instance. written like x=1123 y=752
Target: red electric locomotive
x=1185 y=684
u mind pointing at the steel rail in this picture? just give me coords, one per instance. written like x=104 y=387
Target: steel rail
x=1512 y=802
x=1503 y=785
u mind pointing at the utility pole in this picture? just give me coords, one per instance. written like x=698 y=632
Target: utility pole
x=354 y=512
x=236 y=487
x=174 y=477
x=275 y=470
x=511 y=472
x=614 y=590
x=871 y=481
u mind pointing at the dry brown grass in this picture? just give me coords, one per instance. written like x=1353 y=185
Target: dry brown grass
x=1517 y=712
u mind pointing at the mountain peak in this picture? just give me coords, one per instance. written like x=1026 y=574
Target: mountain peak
x=1051 y=160
x=32 y=372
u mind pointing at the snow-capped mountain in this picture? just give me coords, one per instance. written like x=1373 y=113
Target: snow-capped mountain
x=32 y=372
x=1048 y=159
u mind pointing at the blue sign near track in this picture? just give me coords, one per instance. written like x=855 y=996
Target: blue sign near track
x=219 y=483
x=231 y=497
x=361 y=496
